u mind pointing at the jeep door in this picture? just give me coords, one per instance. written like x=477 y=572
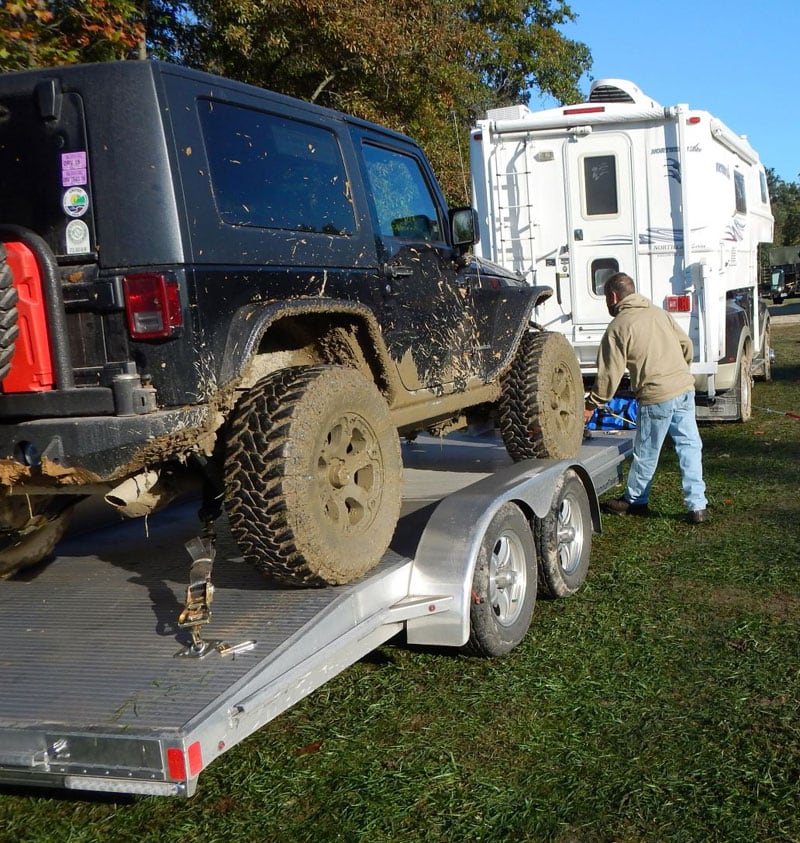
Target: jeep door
x=423 y=312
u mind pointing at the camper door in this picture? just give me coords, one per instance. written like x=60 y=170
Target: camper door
x=601 y=219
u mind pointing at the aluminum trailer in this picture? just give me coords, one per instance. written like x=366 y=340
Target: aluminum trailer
x=93 y=697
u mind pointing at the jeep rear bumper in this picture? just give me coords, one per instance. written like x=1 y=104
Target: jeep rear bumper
x=63 y=454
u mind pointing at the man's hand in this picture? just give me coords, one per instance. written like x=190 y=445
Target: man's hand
x=587 y=415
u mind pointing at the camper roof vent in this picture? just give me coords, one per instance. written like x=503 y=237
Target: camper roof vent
x=616 y=90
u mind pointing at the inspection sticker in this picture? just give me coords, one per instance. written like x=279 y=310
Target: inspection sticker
x=75 y=202
x=73 y=169
x=77 y=237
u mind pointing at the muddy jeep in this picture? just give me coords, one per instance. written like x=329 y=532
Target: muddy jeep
x=205 y=282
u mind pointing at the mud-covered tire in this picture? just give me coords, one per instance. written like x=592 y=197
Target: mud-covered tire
x=541 y=409
x=313 y=475
x=8 y=315
x=503 y=585
x=23 y=550
x=766 y=370
x=564 y=539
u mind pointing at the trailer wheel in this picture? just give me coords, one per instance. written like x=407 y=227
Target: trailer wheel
x=20 y=549
x=8 y=315
x=504 y=584
x=766 y=372
x=313 y=475
x=541 y=409
x=744 y=376
x=564 y=539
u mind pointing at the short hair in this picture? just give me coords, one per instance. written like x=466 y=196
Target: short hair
x=621 y=284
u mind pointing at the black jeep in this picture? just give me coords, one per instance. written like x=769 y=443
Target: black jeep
x=204 y=280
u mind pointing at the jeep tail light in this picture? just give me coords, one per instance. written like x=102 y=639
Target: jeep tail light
x=153 y=305
x=679 y=304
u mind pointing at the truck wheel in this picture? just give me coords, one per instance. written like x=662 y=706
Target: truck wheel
x=766 y=373
x=541 y=409
x=19 y=550
x=504 y=584
x=313 y=475
x=745 y=383
x=8 y=314
x=564 y=539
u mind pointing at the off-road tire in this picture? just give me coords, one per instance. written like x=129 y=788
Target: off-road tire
x=564 y=539
x=503 y=585
x=766 y=371
x=8 y=315
x=541 y=409
x=23 y=550
x=313 y=475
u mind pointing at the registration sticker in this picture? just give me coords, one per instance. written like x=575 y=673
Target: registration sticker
x=75 y=202
x=74 y=170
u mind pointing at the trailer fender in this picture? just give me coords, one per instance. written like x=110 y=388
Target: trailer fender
x=447 y=552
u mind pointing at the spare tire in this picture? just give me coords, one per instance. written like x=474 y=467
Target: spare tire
x=8 y=314
x=541 y=409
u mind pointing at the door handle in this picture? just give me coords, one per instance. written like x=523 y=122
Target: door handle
x=391 y=270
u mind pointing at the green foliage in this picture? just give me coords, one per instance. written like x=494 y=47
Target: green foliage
x=785 y=200
x=34 y=33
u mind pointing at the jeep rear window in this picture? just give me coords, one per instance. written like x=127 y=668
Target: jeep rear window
x=405 y=206
x=270 y=172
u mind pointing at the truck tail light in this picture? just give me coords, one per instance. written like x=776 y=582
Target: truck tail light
x=153 y=305
x=679 y=304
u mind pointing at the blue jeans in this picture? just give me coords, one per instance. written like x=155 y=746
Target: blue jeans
x=655 y=421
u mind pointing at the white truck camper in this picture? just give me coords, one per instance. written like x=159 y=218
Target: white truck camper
x=568 y=196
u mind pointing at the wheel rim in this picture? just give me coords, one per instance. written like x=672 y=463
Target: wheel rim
x=507 y=578
x=570 y=533
x=562 y=398
x=350 y=474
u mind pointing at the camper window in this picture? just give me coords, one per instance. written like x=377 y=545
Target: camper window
x=602 y=270
x=764 y=191
x=741 y=200
x=600 y=185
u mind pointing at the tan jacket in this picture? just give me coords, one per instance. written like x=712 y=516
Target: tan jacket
x=645 y=340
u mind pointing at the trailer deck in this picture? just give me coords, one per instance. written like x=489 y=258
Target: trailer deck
x=93 y=696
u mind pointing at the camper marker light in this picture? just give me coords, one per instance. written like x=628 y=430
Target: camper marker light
x=679 y=304
x=153 y=306
x=478 y=136
x=595 y=109
x=693 y=121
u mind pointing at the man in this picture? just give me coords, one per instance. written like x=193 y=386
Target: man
x=648 y=342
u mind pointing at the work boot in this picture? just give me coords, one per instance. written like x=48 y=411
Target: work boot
x=697 y=516
x=621 y=506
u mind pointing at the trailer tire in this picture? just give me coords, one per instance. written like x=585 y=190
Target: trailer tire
x=313 y=475
x=766 y=371
x=503 y=585
x=24 y=549
x=564 y=539
x=541 y=408
x=744 y=382
x=8 y=315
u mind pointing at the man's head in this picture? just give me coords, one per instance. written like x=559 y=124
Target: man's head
x=616 y=288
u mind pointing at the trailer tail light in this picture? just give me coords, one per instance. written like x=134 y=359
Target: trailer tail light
x=679 y=304
x=176 y=762
x=153 y=305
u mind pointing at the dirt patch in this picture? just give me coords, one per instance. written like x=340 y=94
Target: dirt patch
x=780 y=606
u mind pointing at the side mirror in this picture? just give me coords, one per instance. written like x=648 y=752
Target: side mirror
x=464 y=226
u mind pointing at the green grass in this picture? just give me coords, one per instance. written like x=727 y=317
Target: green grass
x=661 y=703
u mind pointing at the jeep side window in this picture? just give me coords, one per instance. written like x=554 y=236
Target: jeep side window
x=403 y=200
x=270 y=172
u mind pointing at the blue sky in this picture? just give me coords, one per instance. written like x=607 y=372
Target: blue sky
x=739 y=60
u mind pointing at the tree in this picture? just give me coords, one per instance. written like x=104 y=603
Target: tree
x=785 y=201
x=425 y=67
x=35 y=33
